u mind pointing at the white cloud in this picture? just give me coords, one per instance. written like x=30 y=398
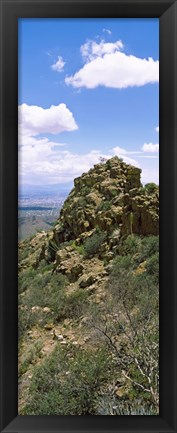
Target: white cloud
x=121 y=151
x=150 y=147
x=107 y=31
x=149 y=156
x=150 y=175
x=38 y=154
x=42 y=160
x=42 y=165
x=107 y=66
x=92 y=50
x=157 y=128
x=59 y=65
x=34 y=120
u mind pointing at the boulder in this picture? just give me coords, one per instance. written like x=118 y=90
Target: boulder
x=87 y=280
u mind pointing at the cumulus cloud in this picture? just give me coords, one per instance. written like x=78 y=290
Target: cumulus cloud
x=121 y=151
x=38 y=154
x=40 y=163
x=105 y=65
x=157 y=128
x=92 y=50
x=34 y=120
x=42 y=160
x=36 y=165
x=59 y=65
x=150 y=147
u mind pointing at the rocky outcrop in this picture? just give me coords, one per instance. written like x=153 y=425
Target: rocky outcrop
x=110 y=196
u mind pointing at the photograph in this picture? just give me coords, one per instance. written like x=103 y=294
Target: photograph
x=88 y=216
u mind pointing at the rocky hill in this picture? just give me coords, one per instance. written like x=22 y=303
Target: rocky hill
x=86 y=285
x=105 y=197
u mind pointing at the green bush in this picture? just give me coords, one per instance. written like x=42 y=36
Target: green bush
x=81 y=202
x=152 y=266
x=68 y=382
x=23 y=322
x=45 y=290
x=25 y=279
x=150 y=188
x=132 y=244
x=72 y=306
x=30 y=356
x=149 y=247
x=86 y=190
x=93 y=244
x=48 y=290
x=53 y=246
x=79 y=248
x=104 y=206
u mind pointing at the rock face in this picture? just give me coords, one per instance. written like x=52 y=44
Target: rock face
x=110 y=196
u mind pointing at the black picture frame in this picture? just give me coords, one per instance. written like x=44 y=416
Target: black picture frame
x=166 y=11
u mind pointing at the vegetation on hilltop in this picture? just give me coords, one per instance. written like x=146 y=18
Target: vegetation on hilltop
x=88 y=302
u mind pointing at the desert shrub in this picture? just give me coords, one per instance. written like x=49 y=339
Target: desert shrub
x=152 y=267
x=25 y=279
x=72 y=305
x=30 y=356
x=93 y=243
x=121 y=282
x=82 y=202
x=23 y=253
x=68 y=382
x=132 y=244
x=45 y=290
x=23 y=322
x=48 y=290
x=110 y=405
x=104 y=206
x=86 y=190
x=44 y=267
x=53 y=247
x=113 y=193
x=149 y=247
x=135 y=301
x=79 y=248
x=150 y=188
x=121 y=264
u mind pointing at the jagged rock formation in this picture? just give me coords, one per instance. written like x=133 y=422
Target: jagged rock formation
x=110 y=196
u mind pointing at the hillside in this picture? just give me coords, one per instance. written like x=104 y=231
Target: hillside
x=88 y=301
x=30 y=225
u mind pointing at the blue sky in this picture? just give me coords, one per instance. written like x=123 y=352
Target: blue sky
x=87 y=88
